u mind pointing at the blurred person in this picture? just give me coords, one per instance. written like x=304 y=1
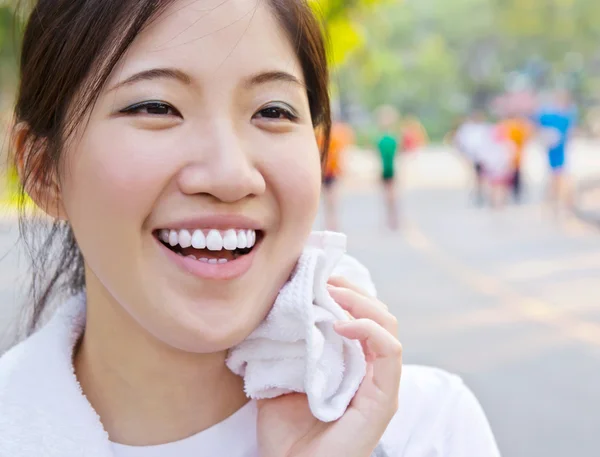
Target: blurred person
x=555 y=124
x=341 y=137
x=518 y=130
x=498 y=165
x=181 y=180
x=387 y=145
x=414 y=135
x=594 y=121
x=472 y=138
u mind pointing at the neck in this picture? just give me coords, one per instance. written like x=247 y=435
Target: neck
x=145 y=392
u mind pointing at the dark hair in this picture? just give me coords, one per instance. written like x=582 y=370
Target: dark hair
x=70 y=48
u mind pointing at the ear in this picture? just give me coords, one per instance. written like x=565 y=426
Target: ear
x=40 y=184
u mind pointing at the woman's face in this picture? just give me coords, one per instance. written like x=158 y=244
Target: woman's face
x=201 y=145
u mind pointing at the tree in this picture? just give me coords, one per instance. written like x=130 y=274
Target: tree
x=342 y=21
x=340 y=18
x=9 y=45
x=436 y=58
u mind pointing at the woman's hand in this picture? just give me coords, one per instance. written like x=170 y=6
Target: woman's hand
x=286 y=426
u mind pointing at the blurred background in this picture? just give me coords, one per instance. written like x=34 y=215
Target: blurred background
x=465 y=168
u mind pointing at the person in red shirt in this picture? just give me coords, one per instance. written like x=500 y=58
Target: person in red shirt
x=414 y=136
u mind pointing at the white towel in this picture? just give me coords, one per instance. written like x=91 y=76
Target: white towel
x=296 y=348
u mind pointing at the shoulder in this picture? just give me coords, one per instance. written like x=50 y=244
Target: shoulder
x=438 y=414
x=428 y=380
x=40 y=398
x=20 y=375
x=426 y=392
x=14 y=360
x=48 y=348
x=23 y=369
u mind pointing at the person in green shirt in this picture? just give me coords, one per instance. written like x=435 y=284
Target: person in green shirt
x=387 y=146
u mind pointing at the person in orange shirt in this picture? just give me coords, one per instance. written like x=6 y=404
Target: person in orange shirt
x=519 y=131
x=342 y=136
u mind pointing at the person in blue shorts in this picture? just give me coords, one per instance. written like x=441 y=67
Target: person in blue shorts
x=556 y=124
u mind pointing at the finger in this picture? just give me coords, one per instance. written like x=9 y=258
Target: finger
x=385 y=351
x=361 y=307
x=358 y=290
x=340 y=281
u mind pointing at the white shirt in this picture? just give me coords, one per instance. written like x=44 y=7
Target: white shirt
x=234 y=437
x=438 y=417
x=498 y=159
x=44 y=413
x=473 y=138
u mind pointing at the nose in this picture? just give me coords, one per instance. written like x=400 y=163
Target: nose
x=222 y=165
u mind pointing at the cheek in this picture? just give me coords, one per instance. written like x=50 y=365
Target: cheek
x=294 y=175
x=117 y=173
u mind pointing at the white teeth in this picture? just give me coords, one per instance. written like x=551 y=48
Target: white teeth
x=214 y=241
x=185 y=239
x=198 y=240
x=251 y=235
x=164 y=236
x=230 y=240
x=242 y=240
x=205 y=260
x=173 y=238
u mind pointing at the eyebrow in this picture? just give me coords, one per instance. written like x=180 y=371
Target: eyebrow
x=271 y=77
x=155 y=73
x=178 y=75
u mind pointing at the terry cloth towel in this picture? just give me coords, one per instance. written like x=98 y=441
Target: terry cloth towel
x=296 y=349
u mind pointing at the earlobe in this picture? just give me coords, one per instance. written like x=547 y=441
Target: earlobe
x=39 y=180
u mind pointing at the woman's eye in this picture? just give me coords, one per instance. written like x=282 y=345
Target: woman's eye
x=277 y=113
x=152 y=109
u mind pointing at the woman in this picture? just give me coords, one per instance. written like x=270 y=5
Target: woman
x=148 y=127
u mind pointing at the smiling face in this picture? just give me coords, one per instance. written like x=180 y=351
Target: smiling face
x=201 y=144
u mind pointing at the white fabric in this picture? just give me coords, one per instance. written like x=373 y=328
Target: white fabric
x=43 y=410
x=234 y=437
x=438 y=417
x=296 y=349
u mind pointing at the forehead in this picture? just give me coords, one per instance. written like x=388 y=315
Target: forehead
x=218 y=38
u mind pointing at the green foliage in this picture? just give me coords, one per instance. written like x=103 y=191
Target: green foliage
x=344 y=30
x=435 y=58
x=9 y=46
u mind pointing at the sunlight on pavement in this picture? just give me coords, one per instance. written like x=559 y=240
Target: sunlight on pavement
x=514 y=304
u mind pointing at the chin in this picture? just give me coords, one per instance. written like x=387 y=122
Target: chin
x=223 y=315
x=200 y=344
x=207 y=332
